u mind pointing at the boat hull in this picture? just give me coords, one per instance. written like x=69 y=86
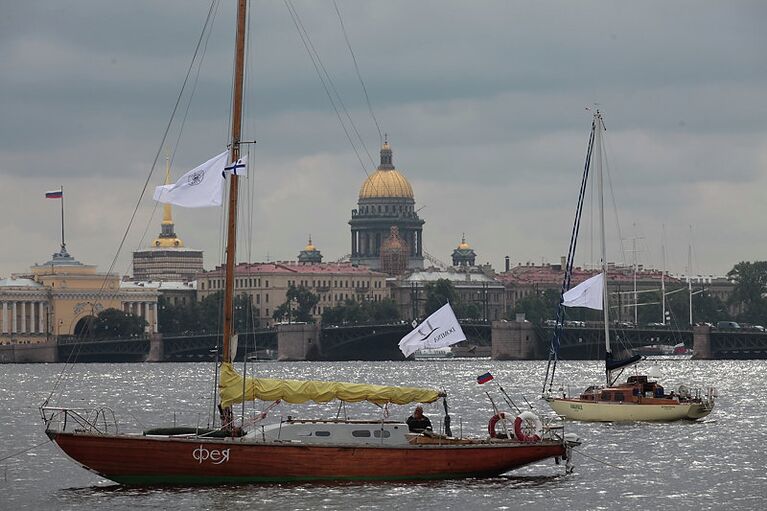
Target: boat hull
x=582 y=410
x=141 y=460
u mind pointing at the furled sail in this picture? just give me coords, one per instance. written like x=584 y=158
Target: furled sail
x=301 y=391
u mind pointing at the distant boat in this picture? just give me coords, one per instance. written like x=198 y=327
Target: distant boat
x=433 y=354
x=240 y=451
x=639 y=398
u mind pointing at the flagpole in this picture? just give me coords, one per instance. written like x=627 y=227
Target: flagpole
x=63 y=243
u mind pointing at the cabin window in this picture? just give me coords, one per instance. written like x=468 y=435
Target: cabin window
x=605 y=396
x=361 y=433
x=618 y=396
x=381 y=433
x=322 y=433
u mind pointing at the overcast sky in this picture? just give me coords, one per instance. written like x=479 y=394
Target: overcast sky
x=484 y=104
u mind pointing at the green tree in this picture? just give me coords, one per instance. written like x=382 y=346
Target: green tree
x=299 y=302
x=750 y=291
x=116 y=324
x=438 y=293
x=540 y=306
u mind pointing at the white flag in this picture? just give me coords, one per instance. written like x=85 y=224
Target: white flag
x=239 y=167
x=201 y=187
x=588 y=293
x=439 y=330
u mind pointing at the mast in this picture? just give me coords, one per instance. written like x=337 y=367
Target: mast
x=663 y=280
x=598 y=128
x=231 y=234
x=63 y=243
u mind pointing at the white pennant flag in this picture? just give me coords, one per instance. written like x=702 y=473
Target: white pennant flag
x=201 y=187
x=439 y=330
x=588 y=293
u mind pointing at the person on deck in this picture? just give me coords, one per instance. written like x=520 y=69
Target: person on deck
x=418 y=422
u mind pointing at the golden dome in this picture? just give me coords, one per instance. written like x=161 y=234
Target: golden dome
x=463 y=245
x=310 y=247
x=386 y=181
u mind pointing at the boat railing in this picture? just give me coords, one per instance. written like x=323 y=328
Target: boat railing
x=101 y=420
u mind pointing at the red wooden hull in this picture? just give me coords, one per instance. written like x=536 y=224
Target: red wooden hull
x=144 y=460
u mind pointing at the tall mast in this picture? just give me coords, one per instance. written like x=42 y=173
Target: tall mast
x=231 y=234
x=598 y=128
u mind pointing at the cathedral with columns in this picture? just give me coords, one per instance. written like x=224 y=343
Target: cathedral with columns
x=386 y=201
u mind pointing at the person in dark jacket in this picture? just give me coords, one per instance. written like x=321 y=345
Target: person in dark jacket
x=418 y=422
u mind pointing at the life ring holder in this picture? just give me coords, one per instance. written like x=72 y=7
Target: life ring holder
x=528 y=427
x=493 y=421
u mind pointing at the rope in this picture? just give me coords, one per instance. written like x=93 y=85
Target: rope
x=13 y=455
x=600 y=461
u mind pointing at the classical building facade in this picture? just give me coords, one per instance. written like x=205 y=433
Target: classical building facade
x=385 y=200
x=472 y=285
x=167 y=259
x=464 y=255
x=267 y=284
x=60 y=296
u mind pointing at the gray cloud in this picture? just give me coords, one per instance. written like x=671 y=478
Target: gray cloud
x=484 y=104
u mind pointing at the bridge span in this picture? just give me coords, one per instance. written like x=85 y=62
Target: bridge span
x=503 y=340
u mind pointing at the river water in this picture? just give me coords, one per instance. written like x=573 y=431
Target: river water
x=717 y=463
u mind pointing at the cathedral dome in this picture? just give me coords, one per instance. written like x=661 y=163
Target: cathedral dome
x=386 y=181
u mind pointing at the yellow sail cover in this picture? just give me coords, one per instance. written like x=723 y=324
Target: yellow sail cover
x=301 y=391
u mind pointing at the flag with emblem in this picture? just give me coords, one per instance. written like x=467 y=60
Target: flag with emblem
x=201 y=187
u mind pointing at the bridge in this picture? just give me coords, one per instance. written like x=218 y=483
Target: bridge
x=380 y=342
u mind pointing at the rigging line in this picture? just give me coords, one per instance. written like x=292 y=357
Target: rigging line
x=324 y=85
x=13 y=455
x=615 y=206
x=146 y=182
x=359 y=75
x=332 y=85
x=600 y=461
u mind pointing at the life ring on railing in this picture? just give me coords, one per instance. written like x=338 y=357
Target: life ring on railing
x=493 y=421
x=528 y=427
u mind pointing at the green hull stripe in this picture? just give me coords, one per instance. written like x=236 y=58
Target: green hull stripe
x=150 y=480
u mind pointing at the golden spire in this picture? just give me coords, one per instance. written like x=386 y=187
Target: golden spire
x=168 y=238
x=167 y=218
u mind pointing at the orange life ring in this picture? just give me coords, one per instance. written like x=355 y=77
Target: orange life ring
x=493 y=421
x=528 y=427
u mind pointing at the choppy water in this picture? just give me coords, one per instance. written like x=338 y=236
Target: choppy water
x=720 y=463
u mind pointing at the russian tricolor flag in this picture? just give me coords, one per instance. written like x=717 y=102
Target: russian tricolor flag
x=55 y=194
x=484 y=378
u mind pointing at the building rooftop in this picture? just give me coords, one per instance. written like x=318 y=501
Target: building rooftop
x=296 y=267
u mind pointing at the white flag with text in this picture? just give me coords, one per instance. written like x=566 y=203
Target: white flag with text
x=439 y=330
x=201 y=187
x=588 y=293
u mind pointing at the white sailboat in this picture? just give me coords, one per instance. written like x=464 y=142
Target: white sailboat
x=639 y=398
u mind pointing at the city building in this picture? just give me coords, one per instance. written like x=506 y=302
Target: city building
x=386 y=200
x=464 y=255
x=267 y=284
x=61 y=296
x=526 y=279
x=167 y=259
x=472 y=285
x=310 y=254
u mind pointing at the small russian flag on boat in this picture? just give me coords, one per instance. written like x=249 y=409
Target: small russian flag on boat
x=55 y=194
x=484 y=378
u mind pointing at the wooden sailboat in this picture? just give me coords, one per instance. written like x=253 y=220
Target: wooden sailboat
x=293 y=449
x=639 y=398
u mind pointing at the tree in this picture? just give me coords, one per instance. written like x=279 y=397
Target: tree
x=538 y=306
x=116 y=324
x=438 y=293
x=750 y=290
x=351 y=311
x=299 y=302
